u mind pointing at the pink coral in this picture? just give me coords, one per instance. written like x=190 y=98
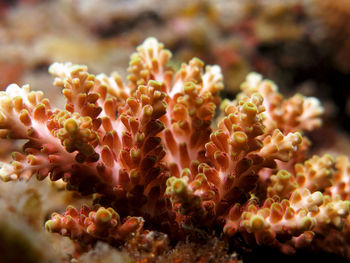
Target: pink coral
x=148 y=152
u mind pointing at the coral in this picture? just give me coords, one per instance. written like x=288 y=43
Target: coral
x=156 y=168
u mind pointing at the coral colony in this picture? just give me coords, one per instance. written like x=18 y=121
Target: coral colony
x=155 y=162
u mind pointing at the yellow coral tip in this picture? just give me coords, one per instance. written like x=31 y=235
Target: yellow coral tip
x=256 y=223
x=239 y=137
x=103 y=215
x=49 y=226
x=179 y=186
x=283 y=175
x=71 y=125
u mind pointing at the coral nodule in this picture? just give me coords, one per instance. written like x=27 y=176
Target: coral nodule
x=158 y=169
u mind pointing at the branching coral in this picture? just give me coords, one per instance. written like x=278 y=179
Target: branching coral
x=148 y=153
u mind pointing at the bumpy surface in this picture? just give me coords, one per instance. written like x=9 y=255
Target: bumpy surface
x=149 y=154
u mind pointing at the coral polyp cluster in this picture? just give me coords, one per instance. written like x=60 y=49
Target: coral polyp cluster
x=158 y=167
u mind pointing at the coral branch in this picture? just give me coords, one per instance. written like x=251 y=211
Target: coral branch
x=149 y=150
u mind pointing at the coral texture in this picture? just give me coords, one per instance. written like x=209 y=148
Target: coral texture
x=148 y=154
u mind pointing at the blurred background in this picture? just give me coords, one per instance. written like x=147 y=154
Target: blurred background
x=302 y=45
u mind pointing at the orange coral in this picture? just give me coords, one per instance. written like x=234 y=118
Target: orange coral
x=148 y=153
